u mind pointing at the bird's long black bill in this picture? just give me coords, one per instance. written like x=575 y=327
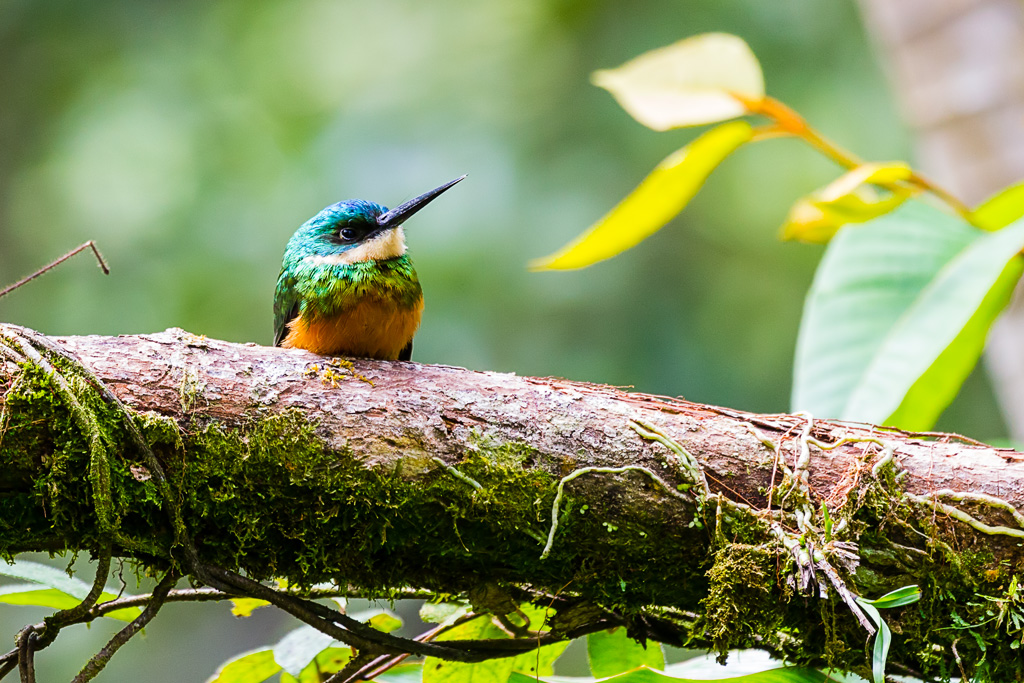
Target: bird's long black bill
x=400 y=214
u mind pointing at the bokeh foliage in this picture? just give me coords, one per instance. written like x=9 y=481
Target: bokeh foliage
x=190 y=138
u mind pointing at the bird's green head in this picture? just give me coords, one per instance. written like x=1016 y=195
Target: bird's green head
x=354 y=231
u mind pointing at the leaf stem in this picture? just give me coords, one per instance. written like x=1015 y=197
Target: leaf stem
x=789 y=121
x=941 y=193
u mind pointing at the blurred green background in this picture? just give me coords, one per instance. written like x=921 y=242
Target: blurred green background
x=189 y=139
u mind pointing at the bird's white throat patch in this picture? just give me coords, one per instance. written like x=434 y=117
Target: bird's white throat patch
x=387 y=245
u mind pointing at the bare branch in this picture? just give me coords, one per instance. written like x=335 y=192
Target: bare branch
x=53 y=264
x=99 y=661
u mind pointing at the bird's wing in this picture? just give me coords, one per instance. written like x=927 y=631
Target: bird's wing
x=286 y=307
x=406 y=353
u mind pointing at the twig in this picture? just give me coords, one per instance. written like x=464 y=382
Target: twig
x=55 y=622
x=335 y=624
x=807 y=564
x=96 y=664
x=959 y=662
x=207 y=595
x=385 y=662
x=26 y=652
x=9 y=661
x=88 y=245
x=844 y=592
x=42 y=635
x=351 y=671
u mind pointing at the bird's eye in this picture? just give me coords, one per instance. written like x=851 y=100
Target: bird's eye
x=348 y=233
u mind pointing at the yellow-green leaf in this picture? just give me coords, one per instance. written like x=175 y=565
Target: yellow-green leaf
x=243 y=607
x=379 y=618
x=848 y=199
x=809 y=223
x=658 y=199
x=409 y=672
x=612 y=652
x=249 y=667
x=329 y=661
x=489 y=671
x=538 y=662
x=1001 y=209
x=31 y=594
x=698 y=80
x=875 y=173
x=644 y=674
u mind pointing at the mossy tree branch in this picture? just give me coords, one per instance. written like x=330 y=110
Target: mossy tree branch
x=690 y=524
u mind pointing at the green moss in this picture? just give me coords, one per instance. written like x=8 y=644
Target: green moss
x=273 y=500
x=742 y=598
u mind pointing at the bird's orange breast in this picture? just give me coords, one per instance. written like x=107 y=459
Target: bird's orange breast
x=372 y=328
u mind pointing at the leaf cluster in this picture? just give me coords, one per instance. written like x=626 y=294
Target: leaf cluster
x=911 y=281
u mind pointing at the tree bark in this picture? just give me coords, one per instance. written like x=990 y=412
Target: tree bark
x=691 y=523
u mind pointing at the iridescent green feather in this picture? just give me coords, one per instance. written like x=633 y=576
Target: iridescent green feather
x=316 y=290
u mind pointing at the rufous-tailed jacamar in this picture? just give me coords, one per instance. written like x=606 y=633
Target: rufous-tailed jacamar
x=347 y=285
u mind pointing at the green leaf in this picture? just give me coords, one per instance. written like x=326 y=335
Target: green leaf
x=815 y=219
x=491 y=671
x=536 y=663
x=63 y=592
x=883 y=638
x=379 y=618
x=31 y=594
x=612 y=652
x=658 y=199
x=646 y=675
x=442 y=612
x=329 y=661
x=243 y=607
x=880 y=652
x=47 y=576
x=698 y=80
x=540 y=662
x=907 y=595
x=898 y=313
x=253 y=666
x=407 y=672
x=297 y=649
x=1001 y=209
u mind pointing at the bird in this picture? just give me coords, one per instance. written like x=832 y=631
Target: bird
x=347 y=285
